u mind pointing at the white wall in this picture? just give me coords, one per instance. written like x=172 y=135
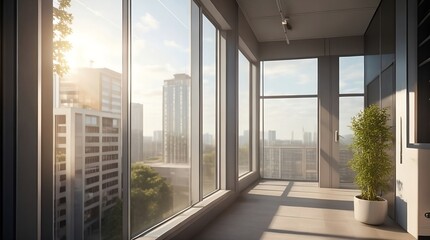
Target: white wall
x=423 y=191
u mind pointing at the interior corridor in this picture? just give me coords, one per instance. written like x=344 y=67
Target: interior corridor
x=295 y=210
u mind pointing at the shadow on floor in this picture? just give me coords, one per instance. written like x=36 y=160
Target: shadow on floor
x=274 y=210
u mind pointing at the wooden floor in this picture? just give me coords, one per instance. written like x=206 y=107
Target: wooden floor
x=295 y=210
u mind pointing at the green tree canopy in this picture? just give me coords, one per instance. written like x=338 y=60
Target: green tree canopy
x=112 y=222
x=61 y=29
x=151 y=197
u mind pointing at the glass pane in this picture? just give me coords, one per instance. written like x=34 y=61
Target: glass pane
x=290 y=139
x=160 y=95
x=261 y=137
x=348 y=107
x=351 y=75
x=209 y=107
x=87 y=119
x=244 y=115
x=290 y=77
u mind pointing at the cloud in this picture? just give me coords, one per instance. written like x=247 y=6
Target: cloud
x=175 y=45
x=304 y=79
x=351 y=74
x=290 y=77
x=279 y=68
x=171 y=43
x=147 y=23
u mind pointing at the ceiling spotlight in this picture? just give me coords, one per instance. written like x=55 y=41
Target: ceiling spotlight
x=285 y=21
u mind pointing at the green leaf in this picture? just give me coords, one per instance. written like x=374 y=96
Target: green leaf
x=370 y=145
x=61 y=30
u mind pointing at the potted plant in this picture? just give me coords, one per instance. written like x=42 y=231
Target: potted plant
x=371 y=163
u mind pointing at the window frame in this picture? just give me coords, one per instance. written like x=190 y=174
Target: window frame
x=250 y=114
x=263 y=97
x=205 y=14
x=196 y=191
x=223 y=178
x=350 y=95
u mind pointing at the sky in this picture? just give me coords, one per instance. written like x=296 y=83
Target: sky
x=160 y=47
x=351 y=80
x=291 y=117
x=292 y=77
x=244 y=104
x=96 y=34
x=209 y=77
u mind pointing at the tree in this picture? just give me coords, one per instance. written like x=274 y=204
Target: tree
x=112 y=222
x=61 y=29
x=371 y=142
x=151 y=197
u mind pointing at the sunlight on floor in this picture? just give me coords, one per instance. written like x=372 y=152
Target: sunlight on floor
x=296 y=210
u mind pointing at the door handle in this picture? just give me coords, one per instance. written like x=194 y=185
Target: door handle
x=336 y=136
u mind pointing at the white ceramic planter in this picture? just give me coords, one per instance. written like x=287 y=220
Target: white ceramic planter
x=370 y=212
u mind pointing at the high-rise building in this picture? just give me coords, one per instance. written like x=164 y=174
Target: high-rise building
x=290 y=162
x=87 y=152
x=157 y=140
x=272 y=136
x=137 y=132
x=307 y=138
x=176 y=119
x=91 y=88
x=87 y=170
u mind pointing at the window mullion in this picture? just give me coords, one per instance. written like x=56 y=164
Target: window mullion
x=196 y=75
x=126 y=119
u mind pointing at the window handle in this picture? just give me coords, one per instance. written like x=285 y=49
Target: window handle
x=336 y=136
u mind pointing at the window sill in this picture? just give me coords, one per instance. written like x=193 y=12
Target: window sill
x=200 y=211
x=247 y=179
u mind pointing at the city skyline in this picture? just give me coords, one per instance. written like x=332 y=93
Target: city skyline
x=170 y=56
x=162 y=50
x=297 y=159
x=150 y=27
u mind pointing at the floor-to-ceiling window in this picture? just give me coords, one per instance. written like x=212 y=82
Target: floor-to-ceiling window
x=161 y=113
x=351 y=101
x=209 y=106
x=170 y=88
x=289 y=119
x=87 y=66
x=244 y=115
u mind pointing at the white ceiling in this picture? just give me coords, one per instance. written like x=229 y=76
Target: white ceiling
x=309 y=19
